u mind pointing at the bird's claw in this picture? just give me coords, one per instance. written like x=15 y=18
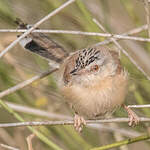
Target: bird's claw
x=133 y=117
x=79 y=123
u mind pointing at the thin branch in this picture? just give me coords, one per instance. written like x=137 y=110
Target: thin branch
x=123 y=131
x=123 y=142
x=35 y=26
x=130 y=32
x=123 y=50
x=146 y=5
x=37 y=112
x=27 y=82
x=117 y=36
x=139 y=106
x=42 y=113
x=68 y=122
x=8 y=147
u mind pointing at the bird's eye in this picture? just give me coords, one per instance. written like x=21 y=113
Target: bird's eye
x=95 y=68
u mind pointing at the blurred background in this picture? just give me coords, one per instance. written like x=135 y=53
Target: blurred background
x=117 y=16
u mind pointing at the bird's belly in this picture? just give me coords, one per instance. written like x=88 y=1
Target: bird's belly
x=96 y=101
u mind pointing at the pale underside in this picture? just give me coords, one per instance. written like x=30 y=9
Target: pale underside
x=99 y=98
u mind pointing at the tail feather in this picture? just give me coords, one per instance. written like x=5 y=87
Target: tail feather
x=42 y=45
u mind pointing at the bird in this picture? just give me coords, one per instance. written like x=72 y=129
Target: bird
x=92 y=79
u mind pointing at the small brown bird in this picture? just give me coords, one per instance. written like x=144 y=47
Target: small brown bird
x=92 y=79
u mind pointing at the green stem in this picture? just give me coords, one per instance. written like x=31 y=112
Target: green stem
x=124 y=142
x=39 y=135
x=90 y=25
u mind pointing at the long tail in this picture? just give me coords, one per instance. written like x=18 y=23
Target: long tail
x=42 y=45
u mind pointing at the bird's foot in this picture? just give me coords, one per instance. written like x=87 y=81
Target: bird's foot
x=79 y=123
x=133 y=118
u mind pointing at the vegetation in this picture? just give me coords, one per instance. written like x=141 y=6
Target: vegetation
x=18 y=65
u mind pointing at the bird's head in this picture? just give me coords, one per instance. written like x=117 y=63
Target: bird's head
x=89 y=64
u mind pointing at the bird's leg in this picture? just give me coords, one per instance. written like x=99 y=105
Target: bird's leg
x=133 y=118
x=79 y=122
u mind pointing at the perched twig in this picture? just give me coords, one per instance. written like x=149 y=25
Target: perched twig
x=35 y=26
x=139 y=106
x=42 y=113
x=68 y=122
x=123 y=142
x=146 y=5
x=25 y=83
x=8 y=147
